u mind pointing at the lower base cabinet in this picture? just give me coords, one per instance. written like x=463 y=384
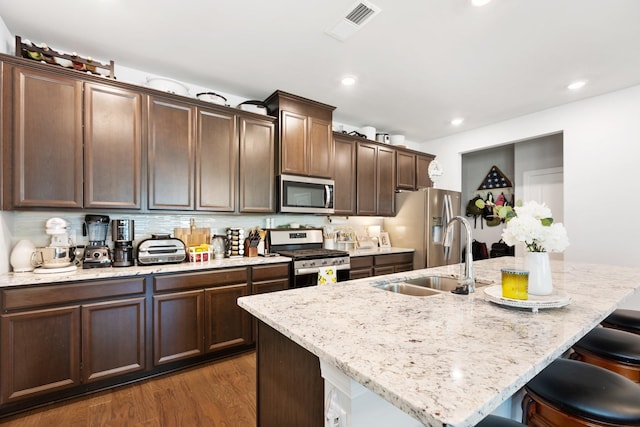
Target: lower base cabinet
x=378 y=265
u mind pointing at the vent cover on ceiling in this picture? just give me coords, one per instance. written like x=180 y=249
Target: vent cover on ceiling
x=355 y=18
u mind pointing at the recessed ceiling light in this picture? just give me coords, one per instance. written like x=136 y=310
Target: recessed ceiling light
x=578 y=84
x=349 y=80
x=457 y=121
x=479 y=3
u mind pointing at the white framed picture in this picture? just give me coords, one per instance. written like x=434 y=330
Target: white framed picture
x=385 y=242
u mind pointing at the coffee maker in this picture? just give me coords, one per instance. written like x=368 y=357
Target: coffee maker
x=122 y=235
x=96 y=254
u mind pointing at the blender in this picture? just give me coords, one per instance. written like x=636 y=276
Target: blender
x=96 y=254
x=122 y=236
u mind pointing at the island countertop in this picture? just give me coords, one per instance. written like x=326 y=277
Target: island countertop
x=446 y=359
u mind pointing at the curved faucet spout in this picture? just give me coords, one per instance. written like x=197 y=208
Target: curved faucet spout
x=468 y=259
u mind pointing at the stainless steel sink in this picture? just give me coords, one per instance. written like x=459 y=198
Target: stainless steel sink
x=406 y=289
x=442 y=283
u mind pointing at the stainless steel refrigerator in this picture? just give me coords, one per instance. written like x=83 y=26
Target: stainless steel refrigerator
x=420 y=223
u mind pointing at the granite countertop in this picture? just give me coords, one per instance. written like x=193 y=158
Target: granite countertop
x=446 y=359
x=21 y=279
x=378 y=251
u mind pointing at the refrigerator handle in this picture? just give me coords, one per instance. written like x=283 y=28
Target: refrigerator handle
x=447 y=218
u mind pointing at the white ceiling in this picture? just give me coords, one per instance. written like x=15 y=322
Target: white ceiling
x=419 y=63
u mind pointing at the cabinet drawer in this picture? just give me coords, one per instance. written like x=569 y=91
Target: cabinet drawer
x=37 y=296
x=360 y=274
x=270 y=286
x=199 y=280
x=361 y=262
x=269 y=272
x=392 y=259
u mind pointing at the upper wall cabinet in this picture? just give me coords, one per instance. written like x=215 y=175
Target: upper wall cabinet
x=305 y=141
x=51 y=159
x=376 y=179
x=412 y=169
x=344 y=192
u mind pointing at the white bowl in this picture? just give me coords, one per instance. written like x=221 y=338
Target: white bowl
x=212 y=97
x=396 y=139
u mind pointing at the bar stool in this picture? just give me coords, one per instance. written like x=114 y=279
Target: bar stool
x=612 y=349
x=571 y=393
x=625 y=319
x=496 y=421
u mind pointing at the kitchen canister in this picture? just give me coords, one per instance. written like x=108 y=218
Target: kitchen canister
x=396 y=139
x=20 y=258
x=369 y=132
x=382 y=137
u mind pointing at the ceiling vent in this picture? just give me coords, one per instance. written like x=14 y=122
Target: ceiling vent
x=355 y=18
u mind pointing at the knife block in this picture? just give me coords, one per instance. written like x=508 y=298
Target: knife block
x=250 y=251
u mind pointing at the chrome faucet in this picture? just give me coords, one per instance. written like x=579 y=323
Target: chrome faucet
x=468 y=281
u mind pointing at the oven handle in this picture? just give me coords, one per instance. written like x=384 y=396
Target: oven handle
x=302 y=271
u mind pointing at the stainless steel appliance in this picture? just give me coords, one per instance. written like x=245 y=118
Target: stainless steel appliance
x=304 y=246
x=303 y=194
x=161 y=249
x=122 y=234
x=420 y=222
x=60 y=254
x=97 y=253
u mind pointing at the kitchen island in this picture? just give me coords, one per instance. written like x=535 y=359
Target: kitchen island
x=444 y=359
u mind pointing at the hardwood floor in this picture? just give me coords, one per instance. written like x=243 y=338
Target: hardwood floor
x=220 y=394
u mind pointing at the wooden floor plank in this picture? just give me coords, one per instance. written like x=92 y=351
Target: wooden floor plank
x=220 y=394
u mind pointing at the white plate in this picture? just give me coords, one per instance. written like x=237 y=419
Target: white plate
x=555 y=300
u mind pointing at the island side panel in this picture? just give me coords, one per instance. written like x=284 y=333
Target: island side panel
x=290 y=388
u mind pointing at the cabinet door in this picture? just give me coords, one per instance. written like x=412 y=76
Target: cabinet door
x=367 y=183
x=293 y=143
x=47 y=140
x=40 y=352
x=386 y=181
x=177 y=326
x=170 y=155
x=321 y=148
x=226 y=324
x=257 y=164
x=422 y=172
x=113 y=338
x=216 y=161
x=406 y=170
x=344 y=192
x=112 y=147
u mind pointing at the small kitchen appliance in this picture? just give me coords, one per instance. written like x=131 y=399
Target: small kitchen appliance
x=304 y=246
x=60 y=253
x=161 y=249
x=96 y=254
x=122 y=232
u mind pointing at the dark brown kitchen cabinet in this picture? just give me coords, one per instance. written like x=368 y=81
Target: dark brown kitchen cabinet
x=422 y=171
x=378 y=265
x=406 y=170
x=40 y=352
x=113 y=338
x=305 y=141
x=344 y=192
x=43 y=162
x=112 y=147
x=376 y=175
x=178 y=322
x=55 y=337
x=203 y=317
x=257 y=165
x=170 y=155
x=269 y=278
x=361 y=267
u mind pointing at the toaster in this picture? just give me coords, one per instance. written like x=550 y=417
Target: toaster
x=161 y=249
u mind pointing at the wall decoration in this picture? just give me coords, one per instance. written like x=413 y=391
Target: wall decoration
x=495 y=179
x=385 y=242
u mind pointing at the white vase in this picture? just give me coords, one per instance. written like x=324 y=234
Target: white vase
x=537 y=263
x=20 y=258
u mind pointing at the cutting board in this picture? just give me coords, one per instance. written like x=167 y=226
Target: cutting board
x=193 y=236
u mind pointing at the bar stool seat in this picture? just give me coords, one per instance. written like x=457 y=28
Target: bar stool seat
x=573 y=393
x=625 y=319
x=496 y=421
x=612 y=349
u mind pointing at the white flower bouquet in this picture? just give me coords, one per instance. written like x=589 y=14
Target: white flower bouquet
x=532 y=223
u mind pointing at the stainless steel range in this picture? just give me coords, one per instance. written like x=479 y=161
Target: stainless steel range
x=304 y=246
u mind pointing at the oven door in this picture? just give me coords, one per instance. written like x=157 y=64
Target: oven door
x=300 y=194
x=311 y=279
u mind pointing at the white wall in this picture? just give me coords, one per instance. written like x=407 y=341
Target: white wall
x=601 y=169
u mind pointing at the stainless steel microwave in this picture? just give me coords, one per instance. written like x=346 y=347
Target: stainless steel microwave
x=303 y=194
